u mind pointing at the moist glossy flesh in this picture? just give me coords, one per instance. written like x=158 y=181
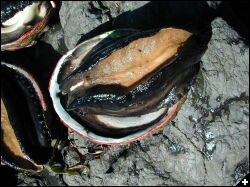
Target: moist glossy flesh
x=131 y=65
x=89 y=49
x=115 y=75
x=143 y=98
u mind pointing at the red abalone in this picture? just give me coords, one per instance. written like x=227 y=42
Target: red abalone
x=121 y=85
x=25 y=120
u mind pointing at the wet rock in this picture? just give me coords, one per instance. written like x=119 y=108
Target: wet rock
x=24 y=180
x=219 y=127
x=74 y=180
x=241 y=170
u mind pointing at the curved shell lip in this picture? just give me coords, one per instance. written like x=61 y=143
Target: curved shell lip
x=33 y=81
x=70 y=123
x=39 y=26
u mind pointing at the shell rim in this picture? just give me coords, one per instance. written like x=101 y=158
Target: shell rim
x=109 y=141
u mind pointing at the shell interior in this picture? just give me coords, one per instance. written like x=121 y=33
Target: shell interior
x=111 y=122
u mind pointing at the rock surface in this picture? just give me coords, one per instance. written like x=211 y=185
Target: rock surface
x=78 y=18
x=208 y=141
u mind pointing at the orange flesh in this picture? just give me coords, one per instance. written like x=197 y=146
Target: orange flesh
x=132 y=63
x=9 y=137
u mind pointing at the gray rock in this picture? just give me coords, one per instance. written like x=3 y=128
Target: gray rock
x=71 y=156
x=79 y=18
x=80 y=143
x=55 y=37
x=213 y=4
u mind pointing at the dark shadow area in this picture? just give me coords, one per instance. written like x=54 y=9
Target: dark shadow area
x=54 y=19
x=8 y=176
x=193 y=16
x=236 y=14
